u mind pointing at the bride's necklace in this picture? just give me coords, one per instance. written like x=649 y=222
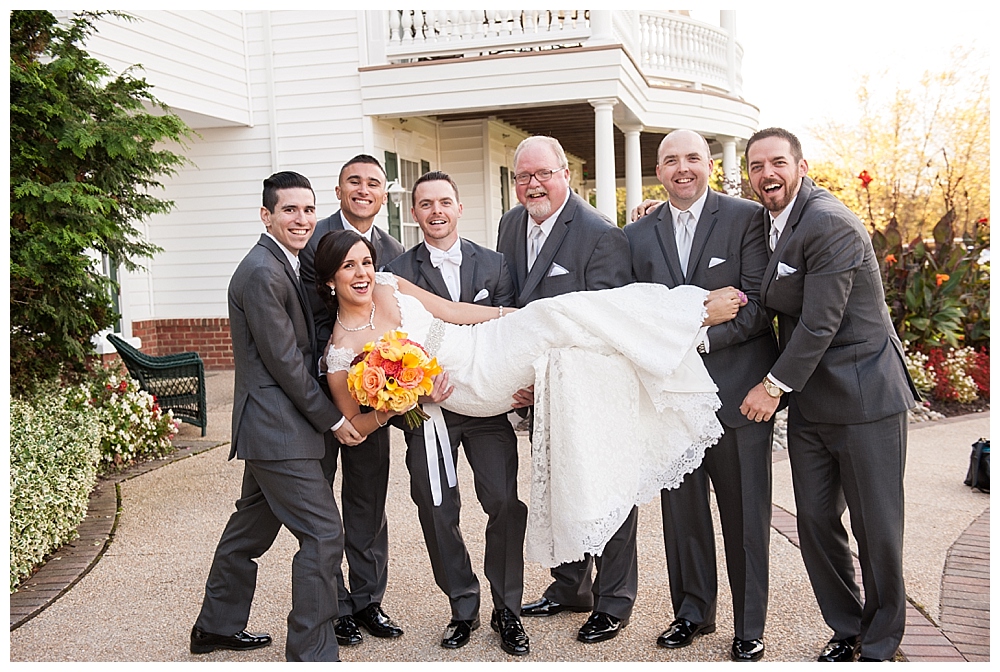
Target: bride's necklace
x=371 y=322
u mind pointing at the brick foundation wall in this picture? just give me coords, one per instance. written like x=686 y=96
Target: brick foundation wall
x=209 y=337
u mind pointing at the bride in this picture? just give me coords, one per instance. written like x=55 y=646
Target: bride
x=623 y=404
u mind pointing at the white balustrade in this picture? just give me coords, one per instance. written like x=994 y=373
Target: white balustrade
x=667 y=47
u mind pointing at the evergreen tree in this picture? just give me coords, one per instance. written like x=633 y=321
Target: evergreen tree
x=85 y=155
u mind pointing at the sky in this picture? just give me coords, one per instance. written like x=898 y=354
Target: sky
x=803 y=65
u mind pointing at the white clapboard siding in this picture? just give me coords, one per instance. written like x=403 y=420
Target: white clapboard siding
x=312 y=84
x=195 y=60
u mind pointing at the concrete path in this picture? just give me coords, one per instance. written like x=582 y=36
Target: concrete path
x=130 y=587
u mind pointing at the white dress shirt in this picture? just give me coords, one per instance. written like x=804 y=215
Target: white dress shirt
x=546 y=228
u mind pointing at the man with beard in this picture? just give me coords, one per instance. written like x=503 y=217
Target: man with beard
x=362 y=191
x=842 y=366
x=556 y=243
x=712 y=241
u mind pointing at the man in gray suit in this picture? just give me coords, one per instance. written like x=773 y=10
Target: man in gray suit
x=711 y=240
x=555 y=243
x=279 y=417
x=842 y=366
x=365 y=481
x=460 y=270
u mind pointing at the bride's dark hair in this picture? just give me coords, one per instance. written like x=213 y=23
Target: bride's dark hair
x=330 y=253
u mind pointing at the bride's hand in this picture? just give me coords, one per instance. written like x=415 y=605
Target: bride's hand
x=723 y=305
x=441 y=391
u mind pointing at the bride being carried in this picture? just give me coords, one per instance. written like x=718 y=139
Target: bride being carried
x=623 y=404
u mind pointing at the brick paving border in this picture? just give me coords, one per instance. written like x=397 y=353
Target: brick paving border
x=66 y=566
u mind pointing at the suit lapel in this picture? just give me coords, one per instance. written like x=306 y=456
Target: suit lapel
x=549 y=249
x=794 y=216
x=468 y=273
x=702 y=232
x=279 y=254
x=668 y=244
x=431 y=275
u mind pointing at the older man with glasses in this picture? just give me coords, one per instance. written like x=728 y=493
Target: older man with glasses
x=556 y=243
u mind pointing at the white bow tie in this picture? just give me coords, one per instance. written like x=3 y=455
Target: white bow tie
x=438 y=257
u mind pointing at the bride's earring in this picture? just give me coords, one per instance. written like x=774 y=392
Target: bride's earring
x=333 y=291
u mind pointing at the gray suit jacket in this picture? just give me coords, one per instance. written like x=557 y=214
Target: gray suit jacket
x=482 y=269
x=839 y=351
x=727 y=250
x=593 y=252
x=279 y=411
x=386 y=247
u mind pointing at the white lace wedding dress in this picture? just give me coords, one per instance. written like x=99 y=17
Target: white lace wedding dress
x=623 y=404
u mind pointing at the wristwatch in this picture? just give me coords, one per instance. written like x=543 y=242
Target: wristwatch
x=771 y=389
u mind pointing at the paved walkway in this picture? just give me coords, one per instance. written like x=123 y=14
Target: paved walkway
x=130 y=586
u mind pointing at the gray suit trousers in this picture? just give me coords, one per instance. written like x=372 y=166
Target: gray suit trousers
x=860 y=466
x=739 y=467
x=364 y=484
x=491 y=448
x=293 y=493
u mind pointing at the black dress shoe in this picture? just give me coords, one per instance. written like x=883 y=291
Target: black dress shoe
x=457 y=634
x=600 y=627
x=682 y=632
x=513 y=639
x=747 y=650
x=839 y=651
x=547 y=607
x=206 y=642
x=376 y=622
x=347 y=631
x=866 y=659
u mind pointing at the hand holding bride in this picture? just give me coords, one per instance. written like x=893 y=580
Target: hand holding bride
x=723 y=305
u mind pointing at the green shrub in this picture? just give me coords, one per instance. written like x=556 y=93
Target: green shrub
x=54 y=450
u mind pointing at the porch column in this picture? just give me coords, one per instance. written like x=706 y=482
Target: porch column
x=727 y=21
x=730 y=165
x=633 y=167
x=604 y=156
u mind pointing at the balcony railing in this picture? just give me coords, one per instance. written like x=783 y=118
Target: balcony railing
x=669 y=48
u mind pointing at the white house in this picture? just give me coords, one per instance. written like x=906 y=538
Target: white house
x=452 y=90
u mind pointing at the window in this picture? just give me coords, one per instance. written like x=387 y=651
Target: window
x=401 y=224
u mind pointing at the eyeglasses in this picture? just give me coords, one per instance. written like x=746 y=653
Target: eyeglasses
x=541 y=175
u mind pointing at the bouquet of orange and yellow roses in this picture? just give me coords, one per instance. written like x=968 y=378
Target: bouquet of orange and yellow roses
x=391 y=374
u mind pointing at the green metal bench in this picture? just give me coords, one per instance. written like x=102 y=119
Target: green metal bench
x=177 y=381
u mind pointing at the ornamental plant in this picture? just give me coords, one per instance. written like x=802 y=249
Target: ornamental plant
x=135 y=427
x=54 y=452
x=937 y=289
x=87 y=150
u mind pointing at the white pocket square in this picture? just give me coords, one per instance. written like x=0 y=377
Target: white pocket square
x=483 y=293
x=556 y=270
x=715 y=261
x=785 y=269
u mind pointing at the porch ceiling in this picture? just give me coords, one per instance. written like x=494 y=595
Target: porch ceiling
x=573 y=125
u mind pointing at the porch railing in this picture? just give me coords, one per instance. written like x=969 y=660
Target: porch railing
x=665 y=46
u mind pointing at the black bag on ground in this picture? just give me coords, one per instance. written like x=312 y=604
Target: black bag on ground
x=979 y=466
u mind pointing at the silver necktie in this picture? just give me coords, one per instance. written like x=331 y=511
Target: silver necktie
x=535 y=242
x=686 y=223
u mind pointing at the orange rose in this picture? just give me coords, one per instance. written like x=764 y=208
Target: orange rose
x=372 y=380
x=409 y=378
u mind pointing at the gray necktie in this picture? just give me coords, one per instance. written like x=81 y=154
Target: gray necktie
x=773 y=238
x=686 y=235
x=535 y=242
